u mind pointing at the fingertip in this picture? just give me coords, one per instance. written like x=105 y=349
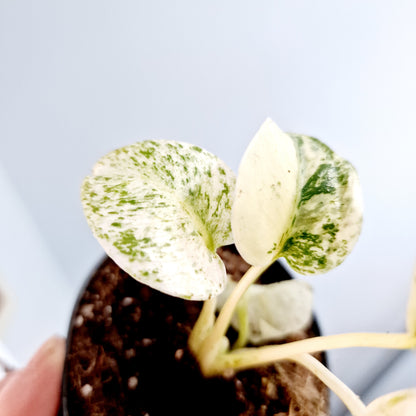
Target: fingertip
x=51 y=352
x=36 y=389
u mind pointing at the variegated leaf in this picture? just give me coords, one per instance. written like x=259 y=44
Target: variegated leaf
x=328 y=212
x=160 y=209
x=272 y=311
x=265 y=195
x=400 y=403
x=295 y=198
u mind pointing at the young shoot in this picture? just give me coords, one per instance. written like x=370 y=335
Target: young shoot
x=161 y=209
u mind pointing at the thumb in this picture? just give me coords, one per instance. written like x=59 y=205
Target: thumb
x=35 y=389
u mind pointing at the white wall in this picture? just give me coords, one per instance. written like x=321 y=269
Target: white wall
x=79 y=78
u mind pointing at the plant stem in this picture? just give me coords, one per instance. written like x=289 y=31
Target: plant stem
x=242 y=314
x=253 y=357
x=203 y=325
x=209 y=348
x=348 y=397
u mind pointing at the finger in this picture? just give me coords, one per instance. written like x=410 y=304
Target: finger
x=35 y=389
x=7 y=379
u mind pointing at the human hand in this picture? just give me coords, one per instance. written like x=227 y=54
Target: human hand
x=35 y=389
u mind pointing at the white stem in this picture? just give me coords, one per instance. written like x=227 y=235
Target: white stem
x=203 y=325
x=348 y=397
x=209 y=349
x=243 y=324
x=253 y=357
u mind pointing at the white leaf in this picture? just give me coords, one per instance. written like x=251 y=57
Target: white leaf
x=160 y=209
x=265 y=195
x=274 y=311
x=401 y=403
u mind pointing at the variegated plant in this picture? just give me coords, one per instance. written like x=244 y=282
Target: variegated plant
x=303 y=203
x=161 y=209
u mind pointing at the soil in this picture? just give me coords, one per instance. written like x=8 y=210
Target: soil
x=127 y=356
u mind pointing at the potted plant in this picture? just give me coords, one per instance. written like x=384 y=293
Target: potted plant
x=166 y=212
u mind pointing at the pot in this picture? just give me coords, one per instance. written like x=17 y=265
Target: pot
x=127 y=355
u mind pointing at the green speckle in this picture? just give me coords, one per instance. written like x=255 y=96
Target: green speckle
x=321 y=182
x=197 y=149
x=116 y=224
x=396 y=400
x=272 y=249
x=127 y=243
x=330 y=229
x=147 y=153
x=129 y=201
x=135 y=161
x=304 y=250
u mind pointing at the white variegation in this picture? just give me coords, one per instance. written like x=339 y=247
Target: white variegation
x=160 y=209
x=295 y=198
x=400 y=403
x=273 y=311
x=265 y=195
x=328 y=216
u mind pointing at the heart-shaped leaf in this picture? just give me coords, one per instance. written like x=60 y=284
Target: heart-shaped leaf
x=306 y=205
x=273 y=311
x=328 y=213
x=160 y=209
x=401 y=403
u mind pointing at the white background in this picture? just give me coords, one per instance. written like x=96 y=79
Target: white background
x=80 y=78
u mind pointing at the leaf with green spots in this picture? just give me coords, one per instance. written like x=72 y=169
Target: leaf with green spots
x=400 y=403
x=160 y=209
x=295 y=198
x=328 y=209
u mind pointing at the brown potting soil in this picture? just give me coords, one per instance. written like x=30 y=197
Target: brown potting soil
x=128 y=356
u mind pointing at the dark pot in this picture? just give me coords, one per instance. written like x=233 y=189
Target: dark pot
x=127 y=355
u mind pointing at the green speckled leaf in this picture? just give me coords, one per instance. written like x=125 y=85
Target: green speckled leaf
x=160 y=209
x=328 y=211
x=400 y=403
x=295 y=198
